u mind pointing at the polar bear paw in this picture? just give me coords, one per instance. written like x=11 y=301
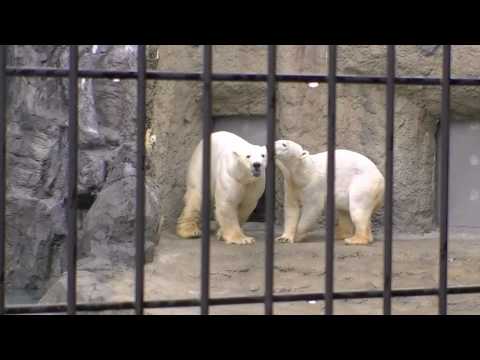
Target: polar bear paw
x=285 y=239
x=189 y=230
x=246 y=240
x=355 y=240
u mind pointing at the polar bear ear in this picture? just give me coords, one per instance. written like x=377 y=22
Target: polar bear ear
x=304 y=155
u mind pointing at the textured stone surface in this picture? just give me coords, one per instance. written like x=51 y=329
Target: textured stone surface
x=37 y=156
x=302 y=113
x=109 y=226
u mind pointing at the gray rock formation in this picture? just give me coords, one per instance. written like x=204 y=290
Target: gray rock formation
x=92 y=287
x=109 y=226
x=37 y=157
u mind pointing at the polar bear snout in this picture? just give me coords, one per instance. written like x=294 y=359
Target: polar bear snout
x=257 y=169
x=286 y=149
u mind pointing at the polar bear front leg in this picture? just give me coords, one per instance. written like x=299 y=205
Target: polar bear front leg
x=311 y=211
x=245 y=210
x=253 y=194
x=228 y=220
x=291 y=215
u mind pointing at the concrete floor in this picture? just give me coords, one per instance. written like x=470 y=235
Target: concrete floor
x=299 y=268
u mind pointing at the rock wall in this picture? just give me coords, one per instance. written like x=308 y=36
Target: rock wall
x=37 y=157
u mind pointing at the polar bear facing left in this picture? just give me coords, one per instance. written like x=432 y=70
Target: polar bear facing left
x=359 y=192
x=237 y=183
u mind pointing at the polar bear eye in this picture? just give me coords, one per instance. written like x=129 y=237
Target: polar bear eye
x=284 y=145
x=248 y=156
x=263 y=155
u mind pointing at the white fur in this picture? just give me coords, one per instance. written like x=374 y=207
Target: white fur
x=359 y=191
x=236 y=187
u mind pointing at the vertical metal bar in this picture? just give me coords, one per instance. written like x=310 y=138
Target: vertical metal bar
x=140 y=188
x=389 y=139
x=207 y=132
x=270 y=175
x=444 y=180
x=3 y=174
x=72 y=170
x=330 y=213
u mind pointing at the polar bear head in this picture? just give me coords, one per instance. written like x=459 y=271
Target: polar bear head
x=252 y=160
x=289 y=152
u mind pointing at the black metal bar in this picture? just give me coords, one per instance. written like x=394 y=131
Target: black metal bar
x=270 y=181
x=330 y=213
x=72 y=171
x=207 y=132
x=388 y=218
x=3 y=176
x=182 y=303
x=181 y=76
x=140 y=187
x=444 y=181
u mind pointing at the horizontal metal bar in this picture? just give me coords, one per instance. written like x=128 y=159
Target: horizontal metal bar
x=296 y=78
x=350 y=295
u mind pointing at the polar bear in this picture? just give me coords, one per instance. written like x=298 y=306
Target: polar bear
x=237 y=183
x=359 y=192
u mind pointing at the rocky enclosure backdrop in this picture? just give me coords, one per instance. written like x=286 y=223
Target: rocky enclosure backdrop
x=37 y=147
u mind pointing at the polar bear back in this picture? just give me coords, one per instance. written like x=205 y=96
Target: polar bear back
x=347 y=163
x=350 y=168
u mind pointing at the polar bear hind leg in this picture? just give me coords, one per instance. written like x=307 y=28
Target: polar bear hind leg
x=188 y=224
x=362 y=204
x=363 y=229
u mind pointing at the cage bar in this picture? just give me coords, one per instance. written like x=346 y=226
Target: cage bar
x=233 y=77
x=72 y=173
x=3 y=176
x=206 y=165
x=140 y=183
x=270 y=179
x=183 y=303
x=444 y=181
x=388 y=218
x=330 y=213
